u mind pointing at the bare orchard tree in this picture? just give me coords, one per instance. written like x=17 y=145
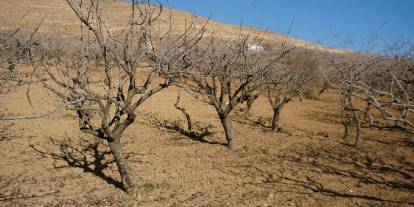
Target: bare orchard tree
x=371 y=94
x=304 y=64
x=341 y=75
x=135 y=66
x=10 y=55
x=15 y=48
x=401 y=59
x=296 y=75
x=280 y=90
x=224 y=73
x=387 y=90
x=393 y=104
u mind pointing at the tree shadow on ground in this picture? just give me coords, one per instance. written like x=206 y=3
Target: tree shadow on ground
x=348 y=163
x=85 y=154
x=327 y=117
x=5 y=134
x=333 y=170
x=244 y=118
x=260 y=122
x=199 y=134
x=10 y=189
x=317 y=187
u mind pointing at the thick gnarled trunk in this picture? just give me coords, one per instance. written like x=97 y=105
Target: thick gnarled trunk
x=228 y=130
x=129 y=180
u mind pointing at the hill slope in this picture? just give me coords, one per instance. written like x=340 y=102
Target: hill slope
x=59 y=19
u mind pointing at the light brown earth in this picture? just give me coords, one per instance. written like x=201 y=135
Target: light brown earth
x=44 y=162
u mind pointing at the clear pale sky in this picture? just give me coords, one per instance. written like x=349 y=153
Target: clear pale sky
x=329 y=22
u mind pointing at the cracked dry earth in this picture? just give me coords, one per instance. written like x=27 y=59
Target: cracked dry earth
x=48 y=162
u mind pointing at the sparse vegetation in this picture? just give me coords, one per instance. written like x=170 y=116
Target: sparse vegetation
x=224 y=74
x=116 y=79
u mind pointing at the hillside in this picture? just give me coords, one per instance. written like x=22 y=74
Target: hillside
x=59 y=19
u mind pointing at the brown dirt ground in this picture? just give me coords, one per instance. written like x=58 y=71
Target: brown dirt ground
x=48 y=162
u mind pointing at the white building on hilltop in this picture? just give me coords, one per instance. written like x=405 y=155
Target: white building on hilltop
x=255 y=47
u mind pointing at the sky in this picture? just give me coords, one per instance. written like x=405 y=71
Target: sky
x=333 y=23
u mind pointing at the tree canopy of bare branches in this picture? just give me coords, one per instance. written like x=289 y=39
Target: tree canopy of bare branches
x=18 y=48
x=109 y=75
x=374 y=93
x=223 y=74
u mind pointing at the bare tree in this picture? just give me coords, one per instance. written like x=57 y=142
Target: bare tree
x=136 y=64
x=342 y=74
x=16 y=47
x=401 y=59
x=393 y=104
x=296 y=75
x=279 y=90
x=225 y=73
x=305 y=67
x=373 y=92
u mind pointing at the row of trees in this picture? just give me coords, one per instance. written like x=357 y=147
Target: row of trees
x=106 y=76
x=14 y=52
x=376 y=90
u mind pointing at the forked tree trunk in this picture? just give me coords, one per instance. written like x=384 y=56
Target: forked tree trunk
x=249 y=103
x=129 y=180
x=301 y=96
x=276 y=118
x=324 y=88
x=186 y=114
x=228 y=130
x=278 y=105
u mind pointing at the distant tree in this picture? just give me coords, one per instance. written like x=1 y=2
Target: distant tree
x=280 y=90
x=400 y=57
x=373 y=92
x=225 y=73
x=18 y=48
x=305 y=67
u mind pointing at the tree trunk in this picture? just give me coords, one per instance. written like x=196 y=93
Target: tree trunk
x=358 y=132
x=129 y=181
x=276 y=118
x=301 y=96
x=228 y=130
x=188 y=117
x=186 y=114
x=277 y=110
x=249 y=104
x=324 y=88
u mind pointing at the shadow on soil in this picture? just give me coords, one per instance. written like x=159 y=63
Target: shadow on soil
x=259 y=122
x=91 y=156
x=347 y=163
x=5 y=134
x=11 y=190
x=199 y=134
